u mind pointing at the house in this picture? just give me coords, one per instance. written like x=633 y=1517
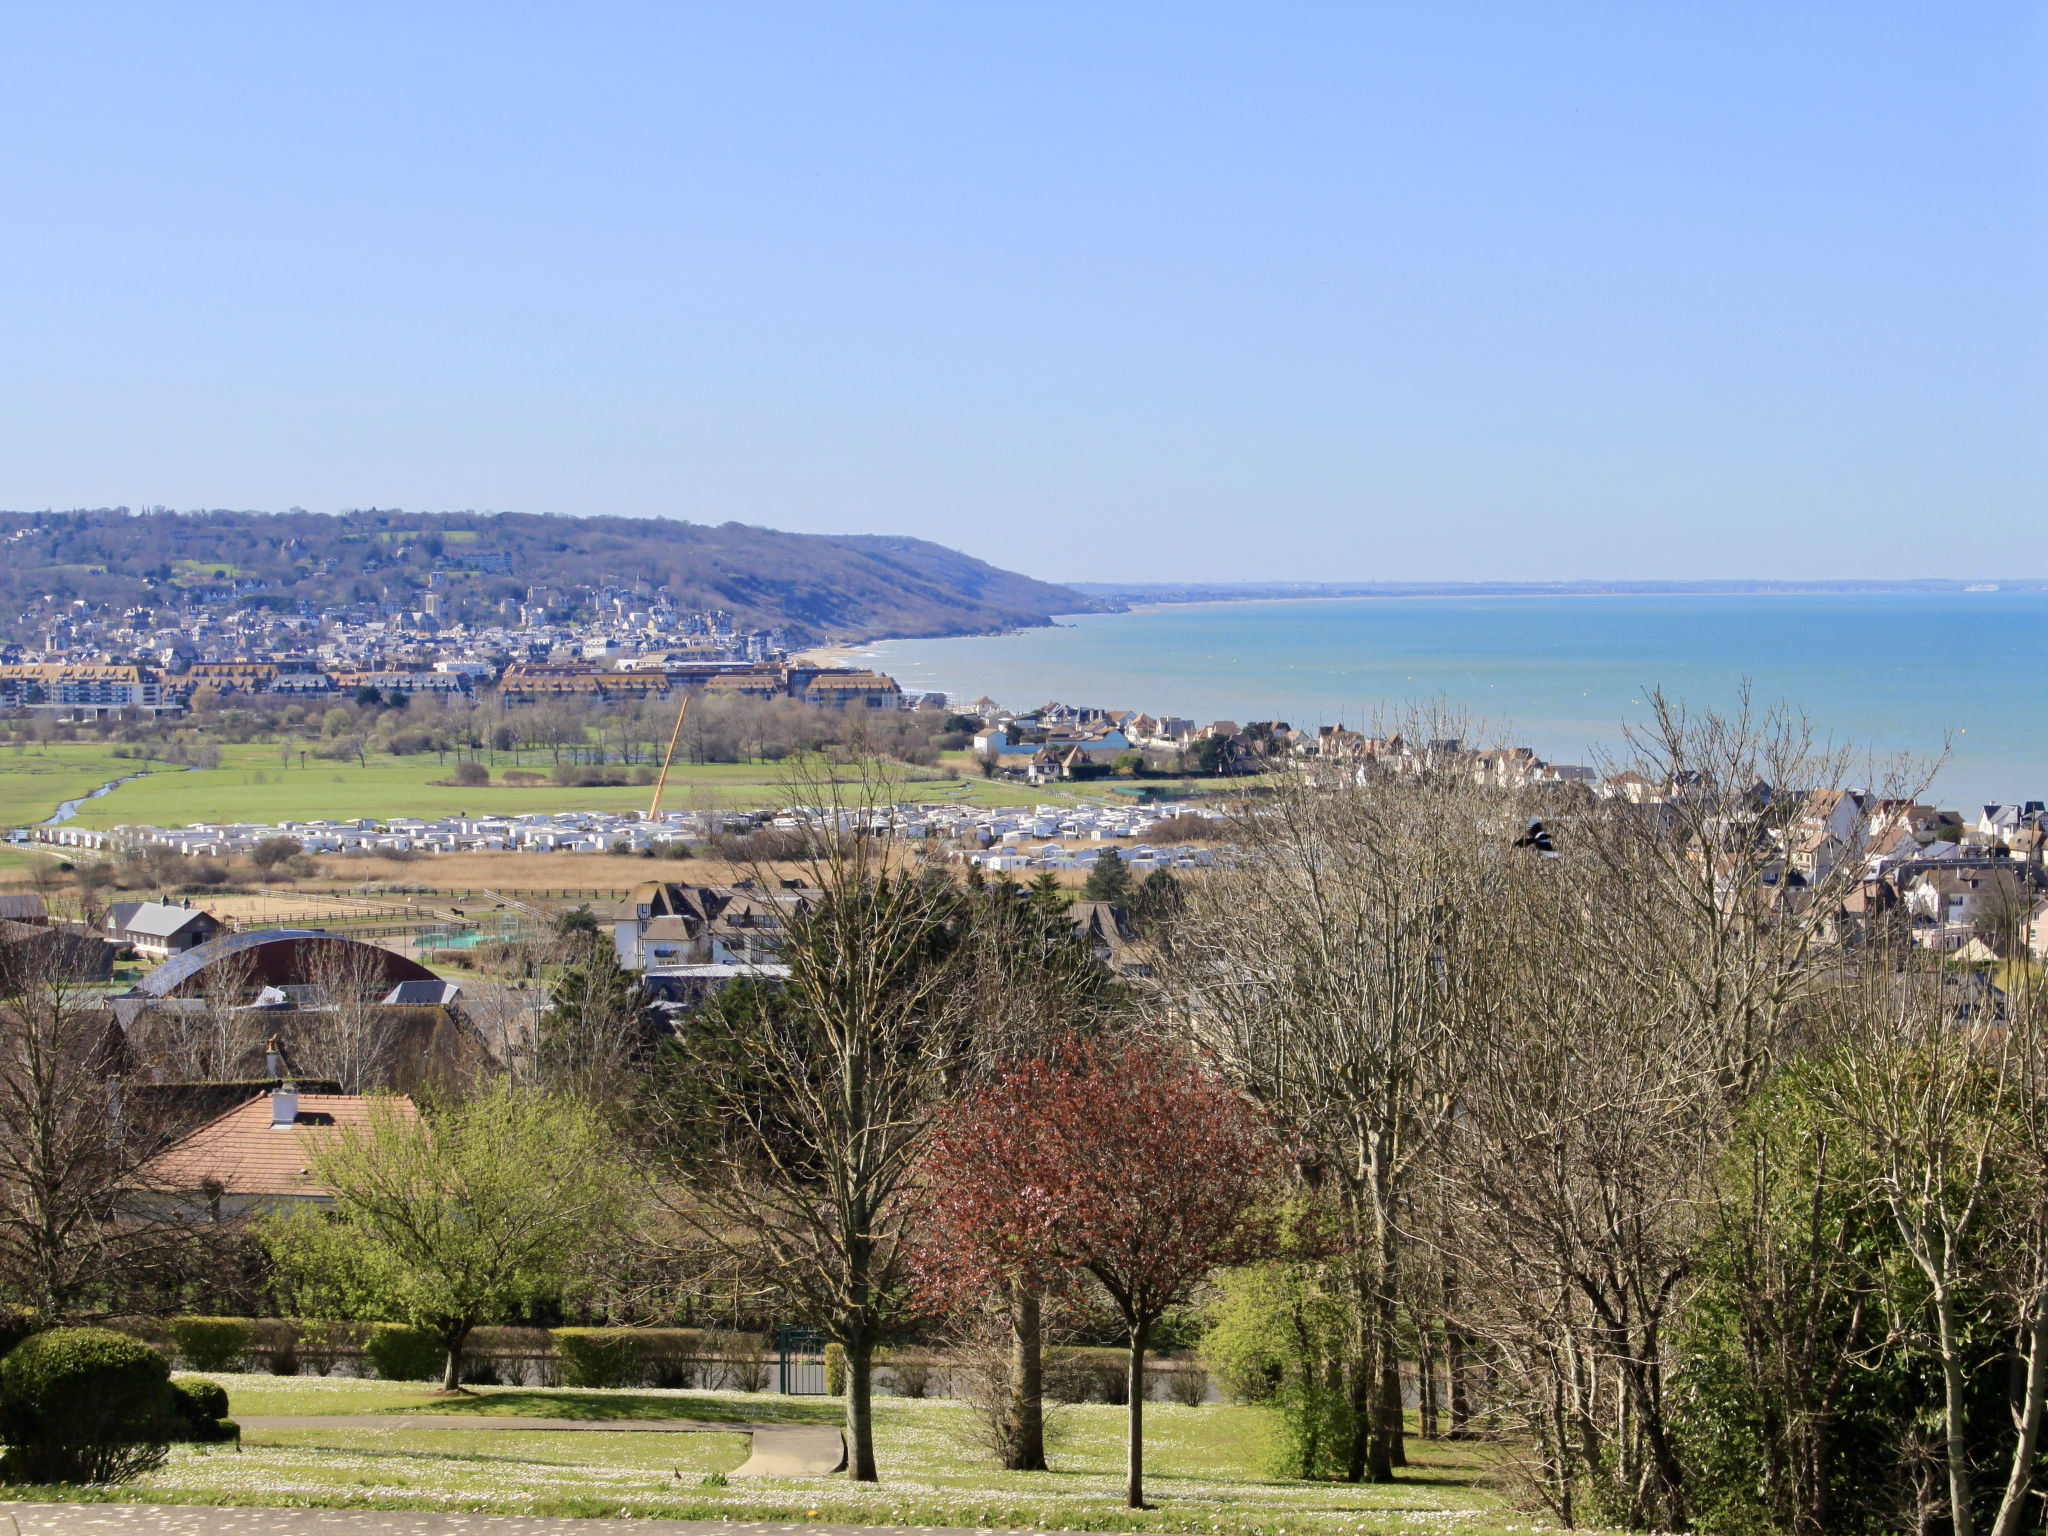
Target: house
x=164 y=928
x=258 y=1156
x=2000 y=822
x=1104 y=928
x=661 y=924
x=1001 y=741
x=23 y=907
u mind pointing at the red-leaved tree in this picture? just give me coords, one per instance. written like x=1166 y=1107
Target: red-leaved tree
x=1128 y=1162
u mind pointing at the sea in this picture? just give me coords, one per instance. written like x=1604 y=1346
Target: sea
x=1957 y=676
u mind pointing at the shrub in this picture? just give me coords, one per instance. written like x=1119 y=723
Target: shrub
x=210 y=1343
x=914 y=1373
x=201 y=1408
x=1188 y=1386
x=472 y=773
x=743 y=1360
x=195 y=1398
x=399 y=1353
x=835 y=1370
x=84 y=1405
x=596 y=1357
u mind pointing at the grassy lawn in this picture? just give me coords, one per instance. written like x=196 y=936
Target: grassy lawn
x=36 y=777
x=1205 y=1467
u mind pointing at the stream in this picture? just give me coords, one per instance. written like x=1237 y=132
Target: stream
x=66 y=809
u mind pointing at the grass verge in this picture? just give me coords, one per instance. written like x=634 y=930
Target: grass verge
x=1205 y=1468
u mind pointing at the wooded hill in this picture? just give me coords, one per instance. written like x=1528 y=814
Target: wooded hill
x=813 y=586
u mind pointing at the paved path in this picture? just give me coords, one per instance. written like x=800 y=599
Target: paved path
x=780 y=1450
x=200 y=1520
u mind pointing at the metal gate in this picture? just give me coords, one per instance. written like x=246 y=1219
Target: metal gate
x=802 y=1362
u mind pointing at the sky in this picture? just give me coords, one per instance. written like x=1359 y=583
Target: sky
x=1097 y=292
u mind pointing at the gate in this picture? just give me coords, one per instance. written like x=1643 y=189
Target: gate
x=802 y=1361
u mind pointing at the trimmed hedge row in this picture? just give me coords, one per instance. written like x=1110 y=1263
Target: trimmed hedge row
x=577 y=1357
x=593 y=1357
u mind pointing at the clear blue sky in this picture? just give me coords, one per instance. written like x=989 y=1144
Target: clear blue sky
x=1095 y=291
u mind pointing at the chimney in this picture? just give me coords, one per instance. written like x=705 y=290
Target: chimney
x=284 y=1106
x=270 y=1057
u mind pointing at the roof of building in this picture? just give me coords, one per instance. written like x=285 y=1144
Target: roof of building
x=160 y=919
x=22 y=907
x=422 y=994
x=246 y=1154
x=279 y=957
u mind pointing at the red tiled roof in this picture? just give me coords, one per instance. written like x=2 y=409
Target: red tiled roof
x=246 y=1155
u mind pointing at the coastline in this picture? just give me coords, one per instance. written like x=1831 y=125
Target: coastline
x=1566 y=675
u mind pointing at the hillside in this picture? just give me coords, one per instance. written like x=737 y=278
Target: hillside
x=813 y=586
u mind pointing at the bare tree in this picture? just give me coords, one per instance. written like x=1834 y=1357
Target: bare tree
x=1338 y=971
x=796 y=1112
x=349 y=1036
x=67 y=1151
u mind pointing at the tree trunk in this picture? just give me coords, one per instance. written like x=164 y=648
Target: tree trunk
x=1027 y=1379
x=1393 y=1420
x=1455 y=1368
x=451 y=1373
x=1134 y=1456
x=860 y=1418
x=2019 y=1483
x=1954 y=1409
x=1425 y=1375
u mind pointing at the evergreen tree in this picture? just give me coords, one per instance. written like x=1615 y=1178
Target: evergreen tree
x=1110 y=880
x=1048 y=896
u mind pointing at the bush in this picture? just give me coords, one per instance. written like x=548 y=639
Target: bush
x=201 y=1408
x=84 y=1405
x=472 y=773
x=210 y=1343
x=835 y=1370
x=597 y=1357
x=399 y=1353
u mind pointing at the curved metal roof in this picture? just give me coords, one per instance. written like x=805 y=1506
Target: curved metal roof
x=181 y=969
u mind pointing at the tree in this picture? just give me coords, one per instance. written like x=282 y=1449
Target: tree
x=1047 y=895
x=352 y=1038
x=795 y=1113
x=1933 y=1108
x=1339 y=973
x=270 y=852
x=599 y=1031
x=1035 y=982
x=1156 y=900
x=67 y=1150
x=1129 y=1164
x=1109 y=880
x=467 y=1214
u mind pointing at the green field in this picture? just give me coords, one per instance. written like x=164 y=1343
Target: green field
x=261 y=783
x=1205 y=1467
x=34 y=778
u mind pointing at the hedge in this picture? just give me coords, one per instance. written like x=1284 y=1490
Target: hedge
x=210 y=1343
x=399 y=1353
x=597 y=1357
x=582 y=1356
